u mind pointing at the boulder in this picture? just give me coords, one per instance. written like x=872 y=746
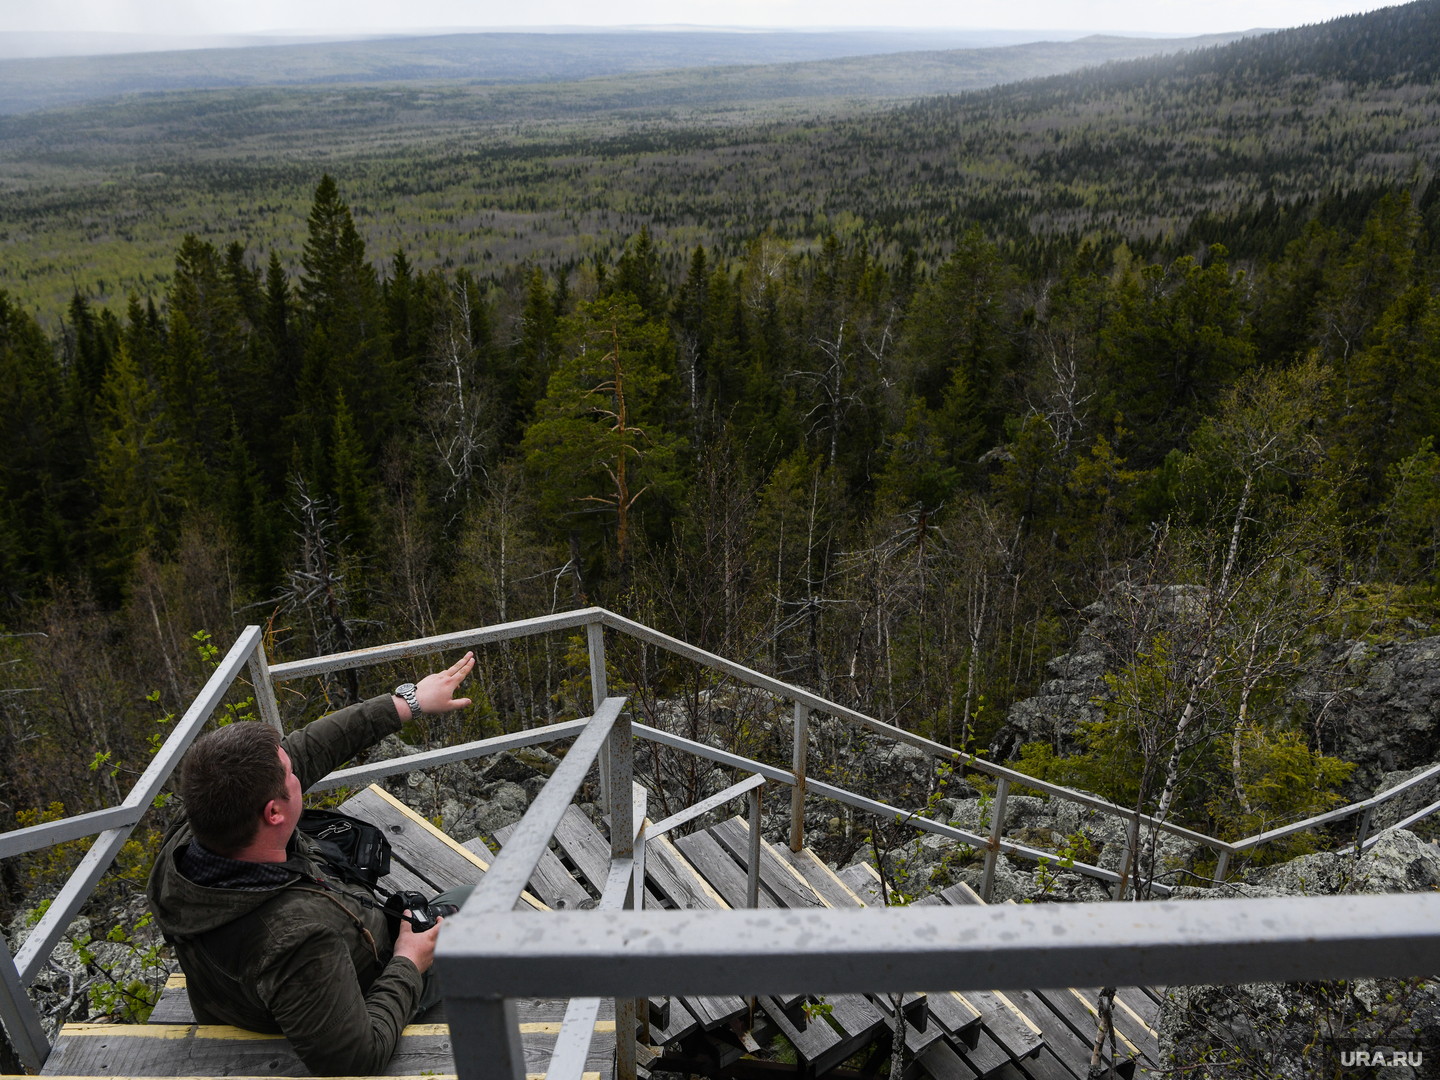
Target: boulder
x=1299 y=1030
x=1377 y=706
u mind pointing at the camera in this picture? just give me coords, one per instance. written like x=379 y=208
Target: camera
x=423 y=914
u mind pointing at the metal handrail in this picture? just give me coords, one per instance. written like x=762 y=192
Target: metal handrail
x=1009 y=946
x=114 y=824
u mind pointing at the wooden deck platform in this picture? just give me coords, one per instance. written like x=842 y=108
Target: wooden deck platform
x=1028 y=1035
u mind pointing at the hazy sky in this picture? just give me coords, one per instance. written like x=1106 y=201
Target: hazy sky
x=241 y=16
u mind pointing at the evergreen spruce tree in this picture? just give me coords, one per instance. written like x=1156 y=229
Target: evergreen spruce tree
x=252 y=516
x=138 y=473
x=350 y=469
x=340 y=299
x=537 y=358
x=193 y=404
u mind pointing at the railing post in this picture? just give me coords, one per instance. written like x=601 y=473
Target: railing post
x=752 y=875
x=1129 y=861
x=619 y=751
x=485 y=1038
x=22 y=1023
x=1222 y=867
x=640 y=804
x=798 y=757
x=1366 y=819
x=595 y=634
x=997 y=829
x=264 y=687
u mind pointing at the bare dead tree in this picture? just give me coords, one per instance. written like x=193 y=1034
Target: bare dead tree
x=459 y=413
x=314 y=585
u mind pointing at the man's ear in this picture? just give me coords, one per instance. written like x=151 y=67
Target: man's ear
x=272 y=814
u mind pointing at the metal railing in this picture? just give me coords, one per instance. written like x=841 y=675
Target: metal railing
x=114 y=824
x=490 y=955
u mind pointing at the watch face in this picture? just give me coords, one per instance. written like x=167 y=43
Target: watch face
x=405 y=688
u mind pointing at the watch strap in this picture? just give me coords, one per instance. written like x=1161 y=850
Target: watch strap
x=407 y=691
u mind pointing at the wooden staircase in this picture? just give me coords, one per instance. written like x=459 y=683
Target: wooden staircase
x=1039 y=1034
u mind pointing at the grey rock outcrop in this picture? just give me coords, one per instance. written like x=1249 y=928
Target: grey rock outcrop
x=1065 y=701
x=1298 y=1030
x=1377 y=706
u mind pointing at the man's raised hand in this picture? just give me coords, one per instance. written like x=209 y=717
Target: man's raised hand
x=436 y=692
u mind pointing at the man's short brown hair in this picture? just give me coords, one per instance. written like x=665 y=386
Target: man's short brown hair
x=226 y=779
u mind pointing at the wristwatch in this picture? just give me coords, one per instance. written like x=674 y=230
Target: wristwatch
x=406 y=690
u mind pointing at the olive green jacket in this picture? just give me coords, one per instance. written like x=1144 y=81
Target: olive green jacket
x=302 y=959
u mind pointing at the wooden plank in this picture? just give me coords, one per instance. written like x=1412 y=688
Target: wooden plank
x=784 y=882
x=719 y=869
x=584 y=846
x=419 y=845
x=820 y=877
x=402 y=878
x=213 y=1050
x=959 y=894
x=1046 y=1066
x=863 y=880
x=955 y=1014
x=669 y=871
x=943 y=1063
x=1129 y=1035
x=1019 y=1037
x=680 y=882
x=682 y=1023
x=1129 y=1028
x=860 y=1021
x=174 y=1005
x=714 y=1013
x=550 y=881
x=987 y=1057
x=1080 y=1017
x=916 y=1041
x=812 y=1041
x=1072 y=1051
x=552 y=1011
x=1138 y=1003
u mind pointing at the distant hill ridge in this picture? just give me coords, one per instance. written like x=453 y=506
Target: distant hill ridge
x=875 y=65
x=1389 y=47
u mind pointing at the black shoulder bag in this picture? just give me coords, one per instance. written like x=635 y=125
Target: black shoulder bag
x=355 y=848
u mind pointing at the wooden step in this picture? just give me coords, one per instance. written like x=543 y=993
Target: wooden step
x=422 y=857
x=216 y=1050
x=821 y=878
x=551 y=881
x=716 y=865
x=586 y=847
x=777 y=876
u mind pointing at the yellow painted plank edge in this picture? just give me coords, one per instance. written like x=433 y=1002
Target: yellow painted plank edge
x=407 y=1076
x=664 y=840
x=235 y=1034
x=459 y=849
x=1137 y=1017
x=822 y=867
x=1134 y=1050
x=785 y=863
x=175 y=982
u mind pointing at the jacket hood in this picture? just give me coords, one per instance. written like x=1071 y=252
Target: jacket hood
x=184 y=909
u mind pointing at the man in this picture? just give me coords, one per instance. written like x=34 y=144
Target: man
x=270 y=937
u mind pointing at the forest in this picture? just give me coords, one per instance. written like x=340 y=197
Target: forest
x=556 y=175
x=898 y=462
